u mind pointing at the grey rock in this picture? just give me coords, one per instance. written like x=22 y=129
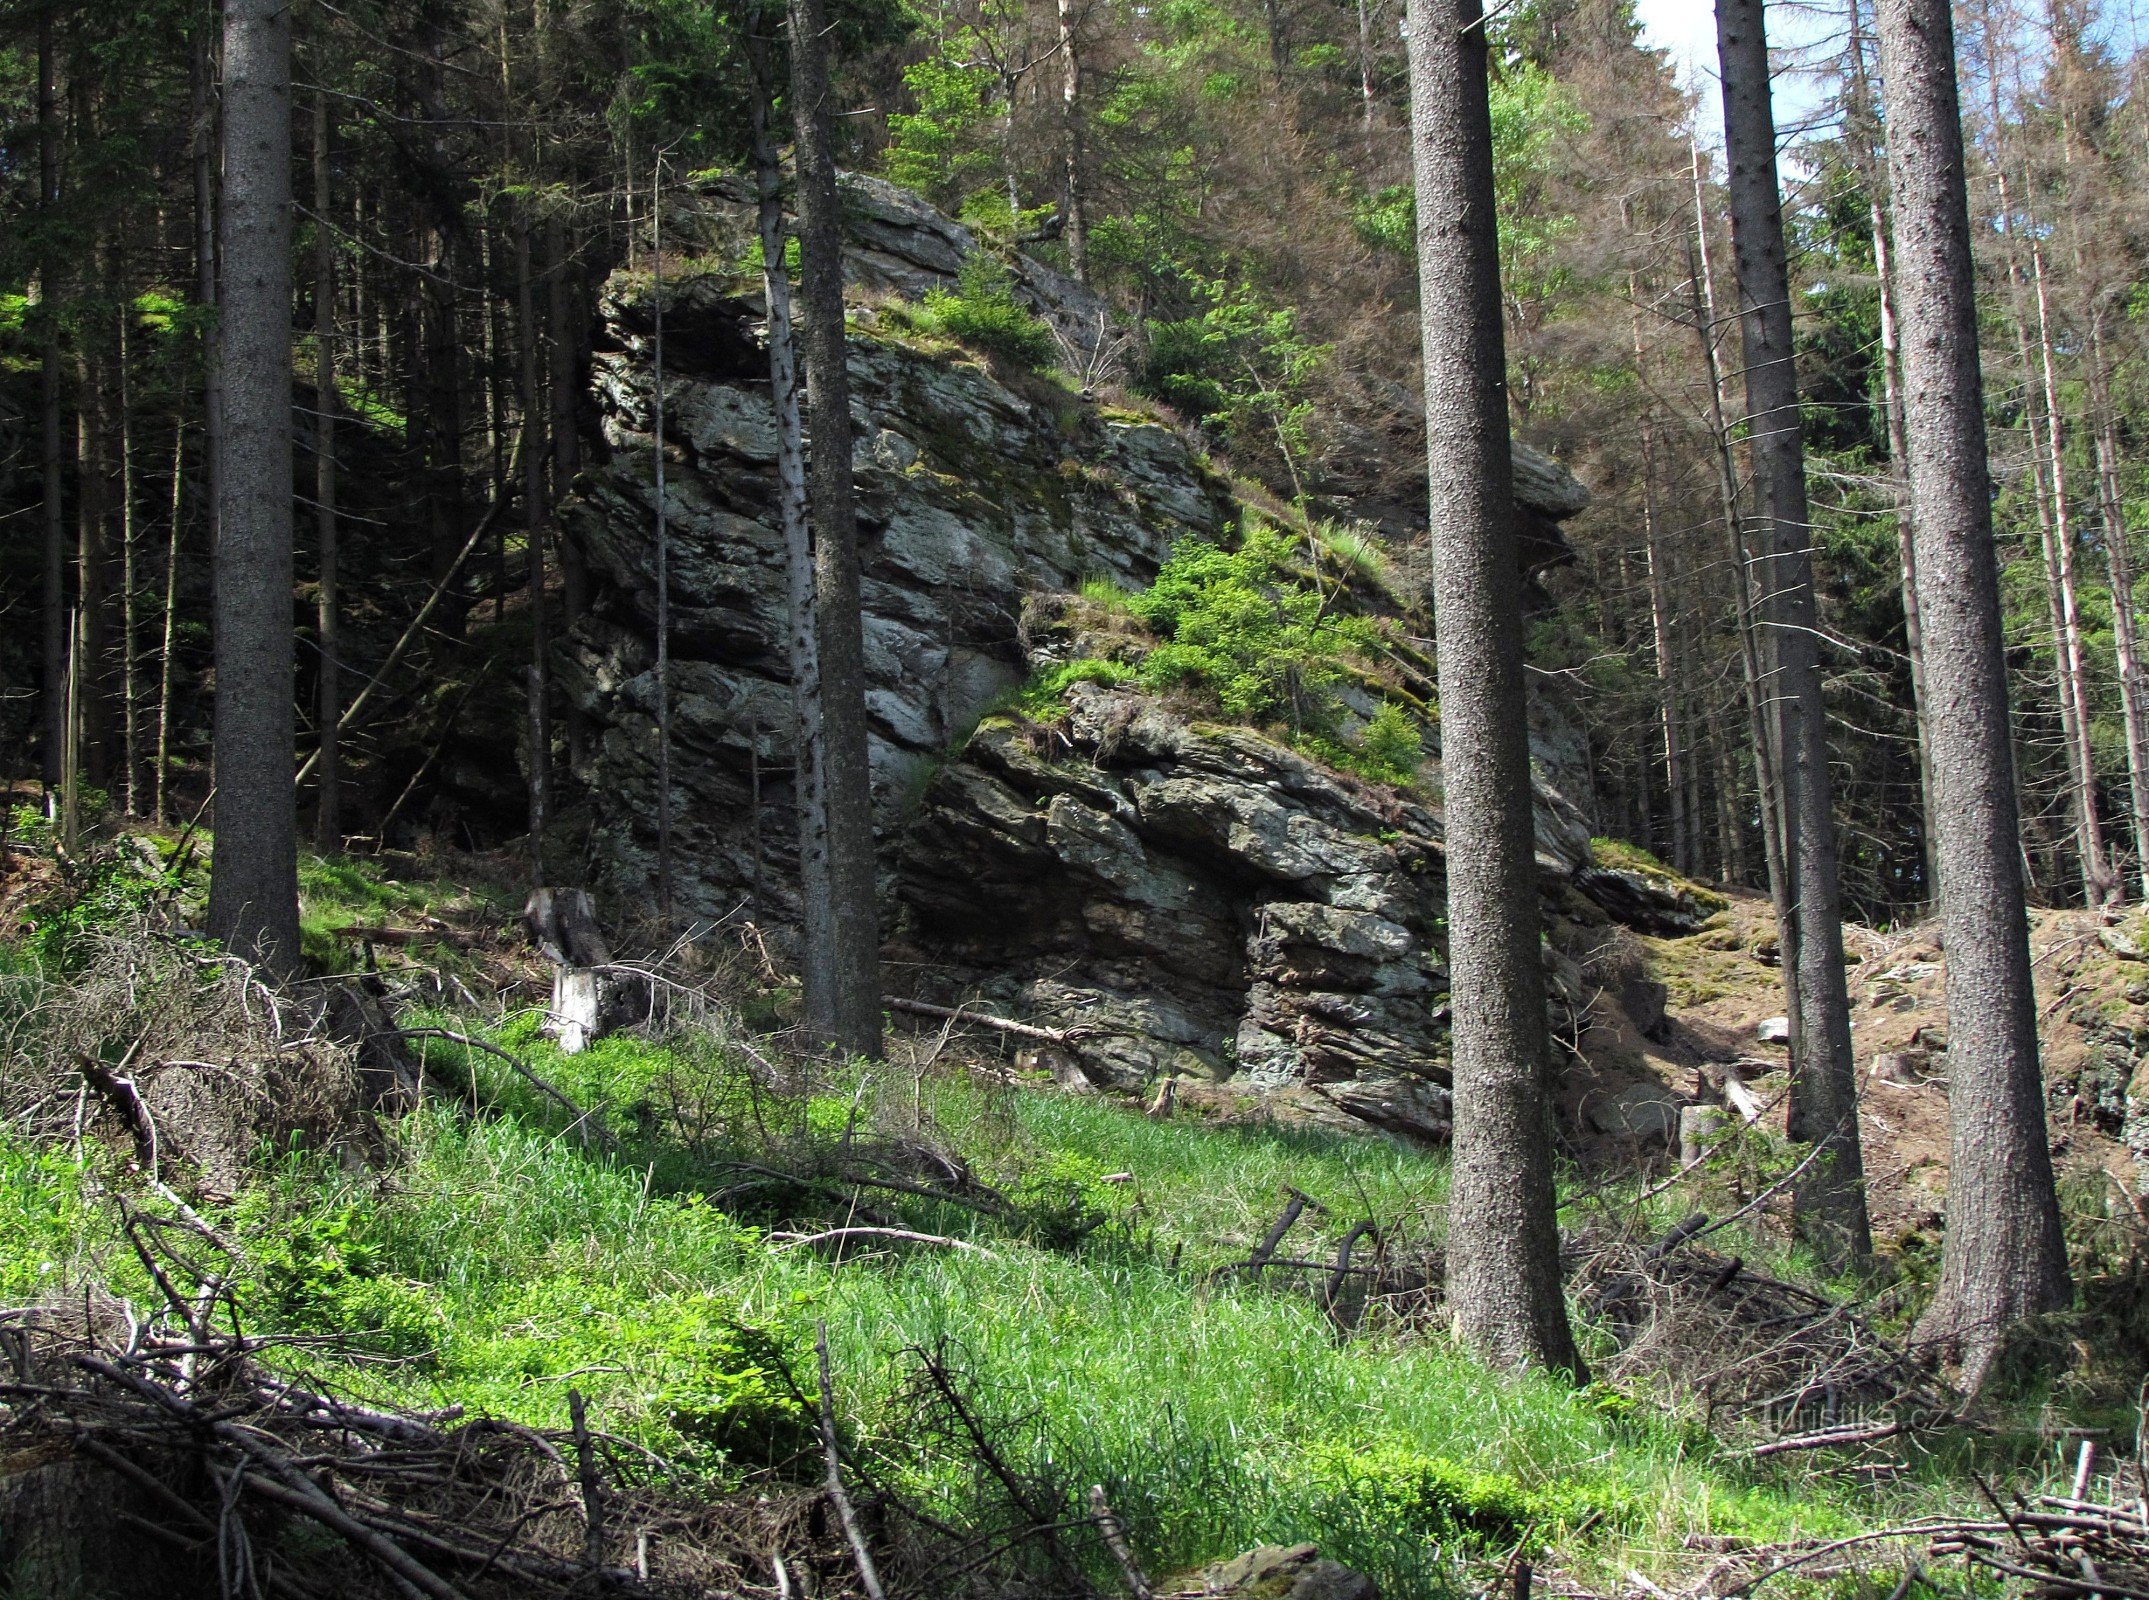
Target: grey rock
x=1647 y=1113
x=1186 y=900
x=1281 y=1572
x=1773 y=1030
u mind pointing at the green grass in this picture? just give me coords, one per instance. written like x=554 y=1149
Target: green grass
x=338 y=892
x=501 y=1255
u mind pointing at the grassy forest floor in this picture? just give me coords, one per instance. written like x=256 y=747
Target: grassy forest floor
x=661 y=1223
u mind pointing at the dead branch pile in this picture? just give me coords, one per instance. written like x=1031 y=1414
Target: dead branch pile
x=1792 y=1365
x=2062 y=1545
x=162 y=1043
x=185 y=1463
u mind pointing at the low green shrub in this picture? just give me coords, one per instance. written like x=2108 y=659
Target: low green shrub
x=982 y=311
x=1045 y=695
x=1239 y=625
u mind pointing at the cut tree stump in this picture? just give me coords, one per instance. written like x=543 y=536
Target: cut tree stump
x=591 y=994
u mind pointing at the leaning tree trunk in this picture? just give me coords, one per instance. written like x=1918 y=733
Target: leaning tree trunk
x=1830 y=1199
x=850 y=1016
x=809 y=786
x=1503 y=1239
x=2004 y=1258
x=253 y=875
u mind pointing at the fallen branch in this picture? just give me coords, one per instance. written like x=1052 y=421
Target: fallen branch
x=837 y=1495
x=899 y=1235
x=984 y=1019
x=1828 y=1438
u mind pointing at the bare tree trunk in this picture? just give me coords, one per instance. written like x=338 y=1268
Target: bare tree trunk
x=1830 y=1200
x=1862 y=128
x=1683 y=847
x=664 y=544
x=808 y=774
x=1071 y=133
x=2051 y=507
x=53 y=453
x=1702 y=277
x=1504 y=1288
x=1365 y=66
x=2119 y=562
x=1905 y=535
x=2005 y=1257
x=2100 y=880
x=534 y=519
x=851 y=1016
x=328 y=713
x=161 y=796
x=253 y=878
x=129 y=612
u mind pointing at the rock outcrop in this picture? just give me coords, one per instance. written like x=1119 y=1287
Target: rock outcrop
x=1184 y=899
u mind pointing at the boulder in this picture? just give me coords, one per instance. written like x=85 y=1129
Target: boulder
x=1646 y=1113
x=1773 y=1030
x=1279 y=1572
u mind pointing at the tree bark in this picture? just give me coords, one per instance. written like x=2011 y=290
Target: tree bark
x=664 y=543
x=850 y=1017
x=2100 y=882
x=1767 y=792
x=2004 y=1257
x=2119 y=563
x=129 y=597
x=49 y=411
x=1863 y=129
x=1830 y=1200
x=534 y=521
x=328 y=712
x=1071 y=134
x=808 y=774
x=253 y=879
x=1504 y=1286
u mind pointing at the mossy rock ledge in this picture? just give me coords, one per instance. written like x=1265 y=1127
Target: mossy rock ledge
x=1184 y=899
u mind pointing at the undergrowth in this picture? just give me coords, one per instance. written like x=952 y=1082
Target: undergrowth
x=651 y=1254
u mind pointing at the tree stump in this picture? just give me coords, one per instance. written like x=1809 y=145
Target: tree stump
x=591 y=995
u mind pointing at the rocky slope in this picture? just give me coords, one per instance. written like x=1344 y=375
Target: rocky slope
x=1180 y=899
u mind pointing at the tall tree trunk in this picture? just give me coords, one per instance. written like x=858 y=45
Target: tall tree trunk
x=2005 y=1257
x=2119 y=564
x=53 y=451
x=96 y=500
x=1504 y=1289
x=161 y=796
x=664 y=541
x=850 y=1017
x=1830 y=1200
x=1862 y=127
x=1905 y=535
x=808 y=774
x=253 y=877
x=568 y=350
x=534 y=520
x=2101 y=882
x=129 y=599
x=328 y=709
x=1071 y=136
x=1684 y=848
x=1767 y=791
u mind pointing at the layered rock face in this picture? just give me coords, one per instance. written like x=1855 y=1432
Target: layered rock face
x=1182 y=899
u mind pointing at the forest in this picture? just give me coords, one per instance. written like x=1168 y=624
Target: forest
x=1057 y=799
